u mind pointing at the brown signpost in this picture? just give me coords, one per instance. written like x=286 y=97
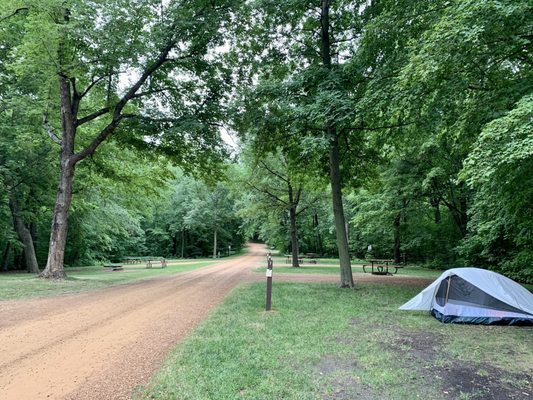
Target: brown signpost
x=270 y=265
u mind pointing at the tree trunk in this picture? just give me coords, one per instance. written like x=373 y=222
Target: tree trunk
x=334 y=162
x=215 y=244
x=338 y=213
x=58 y=235
x=17 y=259
x=182 y=243
x=319 y=247
x=435 y=203
x=25 y=237
x=397 y=238
x=295 y=249
x=174 y=244
x=5 y=257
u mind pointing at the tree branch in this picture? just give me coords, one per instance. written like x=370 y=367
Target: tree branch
x=275 y=173
x=271 y=195
x=92 y=116
x=377 y=128
x=50 y=130
x=91 y=85
x=149 y=92
x=17 y=11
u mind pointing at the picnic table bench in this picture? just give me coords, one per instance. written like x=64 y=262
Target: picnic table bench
x=381 y=267
x=150 y=262
x=115 y=267
x=132 y=260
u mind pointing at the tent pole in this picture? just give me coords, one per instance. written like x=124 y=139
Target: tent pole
x=448 y=291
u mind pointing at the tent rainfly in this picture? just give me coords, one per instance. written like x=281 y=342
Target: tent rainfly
x=475 y=296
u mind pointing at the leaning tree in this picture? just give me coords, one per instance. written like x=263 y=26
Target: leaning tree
x=143 y=71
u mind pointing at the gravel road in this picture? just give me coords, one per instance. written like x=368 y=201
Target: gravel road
x=102 y=344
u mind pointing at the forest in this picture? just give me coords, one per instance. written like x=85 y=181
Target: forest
x=186 y=128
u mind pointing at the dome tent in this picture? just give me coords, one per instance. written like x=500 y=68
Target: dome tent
x=475 y=296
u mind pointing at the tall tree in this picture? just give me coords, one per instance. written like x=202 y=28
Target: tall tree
x=139 y=70
x=306 y=96
x=281 y=188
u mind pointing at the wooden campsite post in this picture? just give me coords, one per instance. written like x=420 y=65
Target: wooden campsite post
x=270 y=265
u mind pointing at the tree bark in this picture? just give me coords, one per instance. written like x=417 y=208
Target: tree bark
x=215 y=244
x=319 y=247
x=334 y=163
x=338 y=213
x=174 y=244
x=17 y=259
x=25 y=237
x=182 y=243
x=295 y=249
x=5 y=257
x=397 y=238
x=435 y=203
x=58 y=236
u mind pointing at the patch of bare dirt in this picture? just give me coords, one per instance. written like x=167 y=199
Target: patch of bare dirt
x=104 y=343
x=458 y=379
x=338 y=373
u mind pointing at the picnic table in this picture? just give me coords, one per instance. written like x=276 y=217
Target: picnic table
x=114 y=267
x=132 y=260
x=381 y=266
x=313 y=257
x=150 y=262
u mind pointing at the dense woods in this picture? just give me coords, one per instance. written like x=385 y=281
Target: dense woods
x=403 y=125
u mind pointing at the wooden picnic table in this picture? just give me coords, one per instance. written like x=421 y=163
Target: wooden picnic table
x=150 y=262
x=313 y=257
x=381 y=266
x=114 y=266
x=288 y=258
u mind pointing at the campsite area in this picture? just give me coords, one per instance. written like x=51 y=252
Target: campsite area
x=316 y=343
x=266 y=199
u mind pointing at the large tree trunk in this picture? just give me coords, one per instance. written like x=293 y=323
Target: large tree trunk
x=58 y=235
x=295 y=248
x=338 y=213
x=25 y=237
x=334 y=163
x=5 y=256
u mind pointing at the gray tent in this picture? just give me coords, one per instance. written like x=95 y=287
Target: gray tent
x=476 y=296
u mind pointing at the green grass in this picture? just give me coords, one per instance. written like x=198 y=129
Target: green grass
x=22 y=285
x=322 y=342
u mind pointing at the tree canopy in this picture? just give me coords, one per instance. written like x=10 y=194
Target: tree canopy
x=413 y=118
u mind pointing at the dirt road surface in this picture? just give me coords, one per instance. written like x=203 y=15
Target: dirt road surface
x=102 y=344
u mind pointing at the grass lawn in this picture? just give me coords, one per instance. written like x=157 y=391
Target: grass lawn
x=22 y=285
x=320 y=342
